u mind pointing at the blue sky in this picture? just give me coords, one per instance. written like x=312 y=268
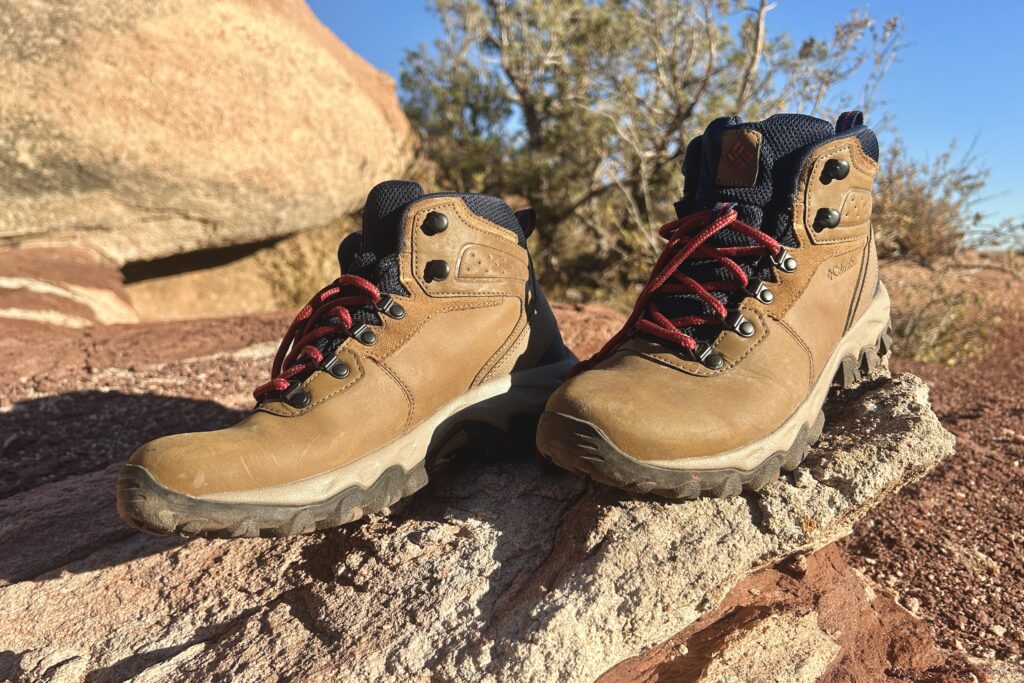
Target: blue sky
x=960 y=76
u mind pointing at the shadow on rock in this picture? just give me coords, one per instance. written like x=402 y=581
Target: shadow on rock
x=58 y=468
x=56 y=437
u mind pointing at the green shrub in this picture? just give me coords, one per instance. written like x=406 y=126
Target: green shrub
x=583 y=109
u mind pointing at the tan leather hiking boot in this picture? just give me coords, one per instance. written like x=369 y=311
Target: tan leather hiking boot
x=436 y=326
x=767 y=290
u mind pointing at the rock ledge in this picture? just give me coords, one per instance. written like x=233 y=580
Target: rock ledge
x=498 y=570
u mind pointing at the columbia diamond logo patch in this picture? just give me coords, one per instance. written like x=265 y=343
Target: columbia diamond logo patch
x=740 y=153
x=737 y=167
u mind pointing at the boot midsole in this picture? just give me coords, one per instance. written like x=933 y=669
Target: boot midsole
x=864 y=333
x=494 y=402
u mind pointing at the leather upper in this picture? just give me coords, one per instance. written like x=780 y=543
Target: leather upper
x=676 y=407
x=484 y=320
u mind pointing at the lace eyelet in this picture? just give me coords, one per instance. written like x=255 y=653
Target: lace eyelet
x=784 y=261
x=712 y=360
x=296 y=396
x=705 y=355
x=364 y=335
x=759 y=290
x=739 y=324
x=391 y=308
x=335 y=367
x=835 y=169
x=826 y=218
x=436 y=270
x=435 y=223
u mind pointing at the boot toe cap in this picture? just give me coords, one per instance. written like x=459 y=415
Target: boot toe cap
x=651 y=412
x=192 y=464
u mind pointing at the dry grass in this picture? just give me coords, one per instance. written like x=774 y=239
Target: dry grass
x=925 y=213
x=945 y=313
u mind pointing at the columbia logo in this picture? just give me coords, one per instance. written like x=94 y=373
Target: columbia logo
x=836 y=271
x=739 y=154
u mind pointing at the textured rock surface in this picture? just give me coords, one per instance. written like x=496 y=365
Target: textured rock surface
x=779 y=647
x=810 y=617
x=147 y=129
x=66 y=287
x=499 y=569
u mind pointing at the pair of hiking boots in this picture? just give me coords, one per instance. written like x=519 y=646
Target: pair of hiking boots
x=767 y=293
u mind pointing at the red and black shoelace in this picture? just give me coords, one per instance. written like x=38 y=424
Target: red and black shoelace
x=327 y=313
x=688 y=240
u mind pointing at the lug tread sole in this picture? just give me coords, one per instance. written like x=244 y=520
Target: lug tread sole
x=582 y=448
x=148 y=506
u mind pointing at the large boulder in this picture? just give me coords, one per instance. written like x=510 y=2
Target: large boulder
x=498 y=570
x=147 y=129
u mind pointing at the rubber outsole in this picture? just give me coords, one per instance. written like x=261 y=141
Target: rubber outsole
x=148 y=506
x=579 y=446
x=487 y=418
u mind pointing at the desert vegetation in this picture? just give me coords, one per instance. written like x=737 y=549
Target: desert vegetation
x=583 y=111
x=928 y=218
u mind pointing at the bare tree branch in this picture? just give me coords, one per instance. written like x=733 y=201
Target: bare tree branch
x=755 y=56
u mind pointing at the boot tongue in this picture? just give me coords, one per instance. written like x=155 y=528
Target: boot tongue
x=382 y=215
x=373 y=254
x=754 y=166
